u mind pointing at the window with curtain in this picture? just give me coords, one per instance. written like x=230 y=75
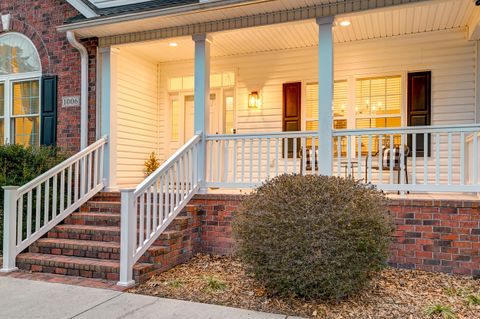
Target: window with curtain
x=26 y=113
x=378 y=105
x=340 y=96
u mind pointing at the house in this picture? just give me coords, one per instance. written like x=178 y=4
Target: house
x=229 y=93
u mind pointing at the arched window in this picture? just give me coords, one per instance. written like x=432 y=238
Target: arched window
x=20 y=71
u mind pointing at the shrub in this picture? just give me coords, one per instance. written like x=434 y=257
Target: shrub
x=314 y=236
x=151 y=164
x=19 y=165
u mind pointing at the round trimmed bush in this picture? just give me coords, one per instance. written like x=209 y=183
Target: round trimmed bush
x=314 y=236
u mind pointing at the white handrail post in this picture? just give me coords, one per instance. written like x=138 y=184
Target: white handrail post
x=201 y=100
x=9 y=228
x=325 y=93
x=127 y=237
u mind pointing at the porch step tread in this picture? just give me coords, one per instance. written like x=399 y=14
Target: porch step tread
x=75 y=262
x=76 y=243
x=89 y=228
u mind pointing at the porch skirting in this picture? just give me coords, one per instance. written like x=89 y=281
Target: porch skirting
x=432 y=235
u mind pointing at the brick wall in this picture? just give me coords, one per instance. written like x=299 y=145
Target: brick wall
x=432 y=235
x=38 y=19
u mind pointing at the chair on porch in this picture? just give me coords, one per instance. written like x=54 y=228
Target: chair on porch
x=386 y=159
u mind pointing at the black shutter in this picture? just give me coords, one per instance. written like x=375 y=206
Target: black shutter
x=48 y=111
x=419 y=108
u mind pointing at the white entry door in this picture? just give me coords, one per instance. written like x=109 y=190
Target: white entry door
x=216 y=126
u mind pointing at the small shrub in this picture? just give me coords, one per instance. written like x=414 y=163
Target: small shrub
x=19 y=165
x=440 y=311
x=151 y=164
x=213 y=284
x=314 y=236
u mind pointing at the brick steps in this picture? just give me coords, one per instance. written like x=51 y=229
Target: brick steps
x=87 y=244
x=77 y=266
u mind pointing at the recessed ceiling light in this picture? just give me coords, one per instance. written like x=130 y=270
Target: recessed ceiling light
x=345 y=23
x=173 y=44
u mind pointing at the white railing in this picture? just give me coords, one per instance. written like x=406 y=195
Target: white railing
x=450 y=164
x=148 y=209
x=33 y=209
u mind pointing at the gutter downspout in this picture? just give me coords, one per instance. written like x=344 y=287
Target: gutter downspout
x=84 y=88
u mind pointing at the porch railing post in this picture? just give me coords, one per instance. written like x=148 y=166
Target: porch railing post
x=325 y=93
x=127 y=237
x=9 y=228
x=201 y=100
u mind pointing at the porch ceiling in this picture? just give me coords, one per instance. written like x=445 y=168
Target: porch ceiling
x=388 y=22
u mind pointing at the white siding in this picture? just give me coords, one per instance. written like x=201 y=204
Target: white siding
x=446 y=53
x=137 y=116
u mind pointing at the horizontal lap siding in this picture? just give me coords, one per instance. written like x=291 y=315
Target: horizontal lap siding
x=447 y=54
x=137 y=116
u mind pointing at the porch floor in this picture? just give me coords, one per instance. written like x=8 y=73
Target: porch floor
x=392 y=195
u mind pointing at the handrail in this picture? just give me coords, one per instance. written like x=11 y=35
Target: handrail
x=155 y=203
x=50 y=198
x=409 y=129
x=40 y=179
x=167 y=164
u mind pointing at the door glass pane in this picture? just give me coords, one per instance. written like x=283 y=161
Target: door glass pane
x=26 y=130
x=229 y=115
x=25 y=98
x=174 y=118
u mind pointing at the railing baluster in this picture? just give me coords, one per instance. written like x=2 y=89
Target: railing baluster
x=259 y=159
x=89 y=172
x=62 y=192
x=38 y=207
x=20 y=220
x=276 y=156
x=425 y=158
x=462 y=158
x=402 y=159
x=155 y=207
x=69 y=186
x=210 y=171
x=29 y=213
x=95 y=168
x=251 y=161
x=449 y=158
x=268 y=158
x=285 y=155
x=313 y=158
x=166 y=195
x=83 y=176
x=54 y=199
x=141 y=230
x=149 y=214
x=76 y=181
x=369 y=164
x=359 y=157
x=380 y=158
x=392 y=159
x=219 y=160
x=349 y=156
x=414 y=158
x=234 y=174
x=225 y=176
x=295 y=155
x=475 y=159
x=46 y=202
x=172 y=190
x=339 y=155
x=304 y=157
x=437 y=159
x=243 y=160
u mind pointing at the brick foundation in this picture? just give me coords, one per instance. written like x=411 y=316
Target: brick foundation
x=432 y=235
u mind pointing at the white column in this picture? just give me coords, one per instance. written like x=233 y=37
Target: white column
x=9 y=228
x=108 y=116
x=325 y=93
x=202 y=99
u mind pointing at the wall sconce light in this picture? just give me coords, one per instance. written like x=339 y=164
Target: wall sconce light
x=254 y=100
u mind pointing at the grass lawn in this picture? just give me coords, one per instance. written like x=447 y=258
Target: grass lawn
x=395 y=293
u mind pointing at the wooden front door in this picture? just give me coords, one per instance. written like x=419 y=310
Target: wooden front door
x=291 y=119
x=419 y=108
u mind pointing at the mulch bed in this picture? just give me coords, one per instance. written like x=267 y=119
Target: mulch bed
x=395 y=293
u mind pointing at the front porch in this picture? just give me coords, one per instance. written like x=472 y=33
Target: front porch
x=403 y=103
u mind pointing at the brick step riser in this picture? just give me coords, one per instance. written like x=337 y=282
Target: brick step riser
x=177 y=224
x=95 y=252
x=73 y=269
x=96 y=236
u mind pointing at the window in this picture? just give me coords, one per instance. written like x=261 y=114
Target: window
x=378 y=105
x=20 y=71
x=224 y=79
x=340 y=97
x=229 y=112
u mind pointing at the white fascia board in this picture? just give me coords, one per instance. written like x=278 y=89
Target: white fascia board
x=83 y=8
x=473 y=32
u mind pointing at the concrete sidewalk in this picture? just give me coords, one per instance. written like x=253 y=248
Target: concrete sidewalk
x=21 y=298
